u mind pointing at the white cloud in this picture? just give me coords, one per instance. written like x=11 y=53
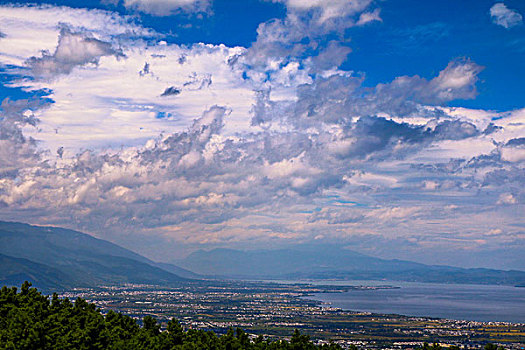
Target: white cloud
x=507 y=198
x=395 y=213
x=493 y=232
x=280 y=41
x=513 y=154
x=21 y=25
x=430 y=185
x=295 y=141
x=505 y=17
x=456 y=81
x=329 y=9
x=367 y=17
x=123 y=104
x=16 y=150
x=74 y=49
x=167 y=7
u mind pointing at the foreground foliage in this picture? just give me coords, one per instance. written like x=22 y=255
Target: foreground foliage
x=30 y=320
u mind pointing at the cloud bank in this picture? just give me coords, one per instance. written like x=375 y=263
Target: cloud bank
x=272 y=144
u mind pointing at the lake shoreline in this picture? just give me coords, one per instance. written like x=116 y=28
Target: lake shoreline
x=477 y=303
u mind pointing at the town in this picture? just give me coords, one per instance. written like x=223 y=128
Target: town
x=275 y=310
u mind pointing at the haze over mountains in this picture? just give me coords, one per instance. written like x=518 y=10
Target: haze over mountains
x=333 y=262
x=53 y=257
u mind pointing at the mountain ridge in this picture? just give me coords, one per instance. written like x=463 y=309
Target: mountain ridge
x=81 y=260
x=333 y=262
x=55 y=257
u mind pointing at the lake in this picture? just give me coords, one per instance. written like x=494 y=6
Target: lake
x=453 y=301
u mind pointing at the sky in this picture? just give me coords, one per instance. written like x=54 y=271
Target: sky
x=392 y=128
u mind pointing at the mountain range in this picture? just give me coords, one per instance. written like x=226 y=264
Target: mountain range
x=334 y=262
x=57 y=258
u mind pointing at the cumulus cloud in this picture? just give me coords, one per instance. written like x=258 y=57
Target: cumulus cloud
x=110 y=87
x=456 y=81
x=505 y=17
x=22 y=24
x=341 y=97
x=302 y=32
x=73 y=49
x=167 y=7
x=16 y=150
x=202 y=145
x=332 y=56
x=514 y=150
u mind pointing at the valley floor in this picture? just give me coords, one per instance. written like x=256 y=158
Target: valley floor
x=274 y=310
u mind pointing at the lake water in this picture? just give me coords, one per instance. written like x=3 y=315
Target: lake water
x=452 y=301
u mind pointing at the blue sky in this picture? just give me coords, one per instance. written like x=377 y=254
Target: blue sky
x=415 y=37
x=393 y=127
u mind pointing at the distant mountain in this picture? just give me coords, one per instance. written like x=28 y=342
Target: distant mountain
x=179 y=271
x=53 y=257
x=58 y=258
x=333 y=262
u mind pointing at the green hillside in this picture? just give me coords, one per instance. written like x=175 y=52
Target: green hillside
x=55 y=258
